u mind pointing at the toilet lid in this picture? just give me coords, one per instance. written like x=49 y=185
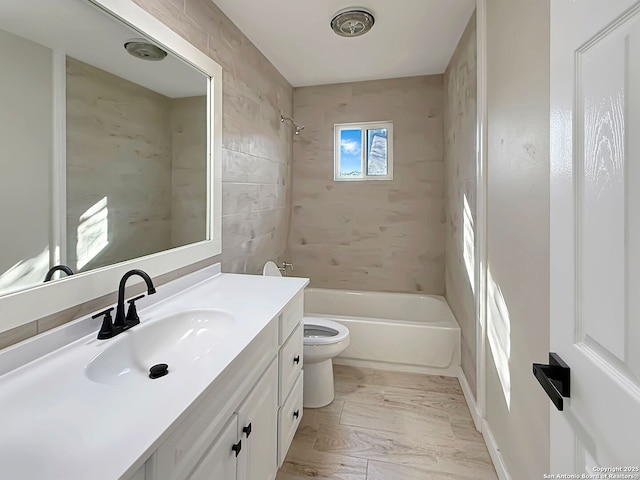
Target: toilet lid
x=322 y=331
x=270 y=269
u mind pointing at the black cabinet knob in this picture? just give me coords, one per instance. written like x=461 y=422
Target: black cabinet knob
x=296 y=359
x=237 y=447
x=247 y=430
x=296 y=414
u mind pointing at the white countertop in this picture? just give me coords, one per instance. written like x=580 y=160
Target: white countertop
x=56 y=423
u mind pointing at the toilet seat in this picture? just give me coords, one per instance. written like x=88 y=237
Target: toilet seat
x=322 y=331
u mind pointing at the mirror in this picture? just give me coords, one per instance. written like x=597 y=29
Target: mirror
x=111 y=155
x=104 y=148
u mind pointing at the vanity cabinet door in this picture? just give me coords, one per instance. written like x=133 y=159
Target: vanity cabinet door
x=220 y=462
x=257 y=424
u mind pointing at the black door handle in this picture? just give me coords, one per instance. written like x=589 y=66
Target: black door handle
x=237 y=447
x=247 y=430
x=555 y=378
x=296 y=414
x=296 y=359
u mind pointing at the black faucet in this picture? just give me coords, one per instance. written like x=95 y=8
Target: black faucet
x=120 y=320
x=55 y=268
x=122 y=323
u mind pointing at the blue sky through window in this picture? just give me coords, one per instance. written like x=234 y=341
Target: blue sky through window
x=351 y=152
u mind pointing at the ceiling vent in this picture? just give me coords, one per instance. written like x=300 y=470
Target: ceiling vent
x=352 y=22
x=144 y=50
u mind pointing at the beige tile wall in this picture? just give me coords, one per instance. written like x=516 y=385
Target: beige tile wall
x=188 y=170
x=257 y=150
x=460 y=182
x=376 y=235
x=118 y=148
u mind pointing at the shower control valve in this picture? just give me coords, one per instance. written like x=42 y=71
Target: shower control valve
x=285 y=266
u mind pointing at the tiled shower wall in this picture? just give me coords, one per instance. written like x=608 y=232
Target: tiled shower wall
x=257 y=150
x=118 y=157
x=460 y=184
x=371 y=235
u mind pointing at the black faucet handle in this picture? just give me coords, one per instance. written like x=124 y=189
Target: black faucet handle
x=106 y=330
x=132 y=318
x=135 y=299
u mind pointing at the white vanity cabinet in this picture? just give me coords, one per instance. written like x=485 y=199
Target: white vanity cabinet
x=257 y=429
x=220 y=461
x=242 y=427
x=290 y=374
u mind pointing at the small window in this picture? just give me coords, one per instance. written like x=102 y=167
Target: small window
x=363 y=151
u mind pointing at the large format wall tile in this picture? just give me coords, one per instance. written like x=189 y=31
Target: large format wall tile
x=373 y=235
x=188 y=170
x=460 y=173
x=257 y=148
x=118 y=162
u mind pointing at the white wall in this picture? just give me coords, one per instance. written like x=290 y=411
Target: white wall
x=518 y=231
x=26 y=135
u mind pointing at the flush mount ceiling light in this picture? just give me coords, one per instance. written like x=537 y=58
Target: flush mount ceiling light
x=352 y=22
x=140 y=48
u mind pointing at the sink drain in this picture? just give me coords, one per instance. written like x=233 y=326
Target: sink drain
x=159 y=370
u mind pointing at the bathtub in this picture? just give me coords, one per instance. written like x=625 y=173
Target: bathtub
x=394 y=331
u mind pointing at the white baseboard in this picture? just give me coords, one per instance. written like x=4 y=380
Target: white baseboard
x=483 y=427
x=397 y=367
x=494 y=452
x=471 y=401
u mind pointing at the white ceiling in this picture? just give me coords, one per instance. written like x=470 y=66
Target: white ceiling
x=87 y=34
x=410 y=37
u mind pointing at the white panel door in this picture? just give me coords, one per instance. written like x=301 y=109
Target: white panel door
x=595 y=232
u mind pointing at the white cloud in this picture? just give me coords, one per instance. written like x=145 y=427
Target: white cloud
x=351 y=147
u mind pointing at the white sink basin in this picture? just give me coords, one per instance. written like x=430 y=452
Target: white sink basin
x=181 y=340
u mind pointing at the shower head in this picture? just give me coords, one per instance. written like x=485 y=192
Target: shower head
x=299 y=128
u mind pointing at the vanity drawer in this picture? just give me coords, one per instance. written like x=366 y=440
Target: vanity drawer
x=289 y=418
x=291 y=316
x=290 y=362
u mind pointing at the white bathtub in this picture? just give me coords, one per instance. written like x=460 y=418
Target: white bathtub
x=397 y=331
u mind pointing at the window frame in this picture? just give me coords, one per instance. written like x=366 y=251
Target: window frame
x=364 y=127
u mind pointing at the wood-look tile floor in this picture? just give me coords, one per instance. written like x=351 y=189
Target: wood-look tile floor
x=389 y=426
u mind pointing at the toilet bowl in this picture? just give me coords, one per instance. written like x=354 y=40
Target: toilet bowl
x=323 y=340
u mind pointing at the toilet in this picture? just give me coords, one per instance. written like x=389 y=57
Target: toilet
x=323 y=339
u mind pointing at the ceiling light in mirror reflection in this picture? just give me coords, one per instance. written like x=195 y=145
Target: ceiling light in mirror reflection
x=93 y=233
